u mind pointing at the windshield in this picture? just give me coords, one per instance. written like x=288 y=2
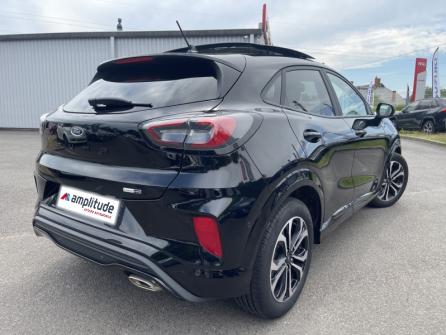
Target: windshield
x=159 y=81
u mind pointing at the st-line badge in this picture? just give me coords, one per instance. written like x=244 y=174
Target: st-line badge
x=88 y=204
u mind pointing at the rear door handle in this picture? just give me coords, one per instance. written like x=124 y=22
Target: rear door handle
x=312 y=135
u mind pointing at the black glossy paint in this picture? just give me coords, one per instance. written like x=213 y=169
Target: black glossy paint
x=242 y=186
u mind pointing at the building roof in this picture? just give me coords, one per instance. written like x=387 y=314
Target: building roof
x=131 y=34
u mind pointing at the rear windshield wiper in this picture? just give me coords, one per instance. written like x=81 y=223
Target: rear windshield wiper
x=103 y=104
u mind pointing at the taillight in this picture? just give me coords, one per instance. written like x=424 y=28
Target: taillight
x=443 y=110
x=204 y=132
x=170 y=133
x=213 y=132
x=208 y=235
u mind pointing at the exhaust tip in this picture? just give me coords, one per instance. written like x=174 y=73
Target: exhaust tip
x=145 y=284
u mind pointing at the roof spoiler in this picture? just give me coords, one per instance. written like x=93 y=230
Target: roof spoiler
x=250 y=49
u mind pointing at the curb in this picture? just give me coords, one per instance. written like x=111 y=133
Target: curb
x=416 y=139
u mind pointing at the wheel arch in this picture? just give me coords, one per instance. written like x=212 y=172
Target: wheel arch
x=300 y=184
x=311 y=198
x=396 y=146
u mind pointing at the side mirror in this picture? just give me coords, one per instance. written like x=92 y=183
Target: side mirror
x=384 y=110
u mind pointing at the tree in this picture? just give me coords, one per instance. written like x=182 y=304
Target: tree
x=428 y=92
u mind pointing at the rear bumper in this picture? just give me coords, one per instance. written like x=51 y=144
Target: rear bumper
x=109 y=250
x=188 y=281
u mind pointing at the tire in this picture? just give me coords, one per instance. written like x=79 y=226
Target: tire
x=261 y=300
x=428 y=127
x=394 y=184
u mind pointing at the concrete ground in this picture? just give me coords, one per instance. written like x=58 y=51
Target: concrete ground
x=381 y=272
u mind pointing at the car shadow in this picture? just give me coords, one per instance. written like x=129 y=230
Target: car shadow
x=74 y=286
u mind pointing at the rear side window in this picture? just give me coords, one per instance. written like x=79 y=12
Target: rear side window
x=434 y=103
x=305 y=90
x=160 y=81
x=273 y=90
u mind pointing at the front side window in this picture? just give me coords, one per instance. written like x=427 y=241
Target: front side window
x=410 y=107
x=350 y=101
x=305 y=90
x=423 y=104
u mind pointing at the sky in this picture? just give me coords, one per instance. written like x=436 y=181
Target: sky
x=361 y=39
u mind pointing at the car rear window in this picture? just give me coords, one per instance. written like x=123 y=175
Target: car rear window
x=160 y=81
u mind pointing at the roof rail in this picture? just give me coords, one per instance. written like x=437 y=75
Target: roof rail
x=250 y=49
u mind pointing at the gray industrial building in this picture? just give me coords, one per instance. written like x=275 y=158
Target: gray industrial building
x=39 y=72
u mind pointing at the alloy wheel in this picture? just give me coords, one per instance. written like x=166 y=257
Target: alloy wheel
x=393 y=181
x=428 y=127
x=289 y=258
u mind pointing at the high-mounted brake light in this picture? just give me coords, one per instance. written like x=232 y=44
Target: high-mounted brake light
x=208 y=235
x=140 y=59
x=206 y=132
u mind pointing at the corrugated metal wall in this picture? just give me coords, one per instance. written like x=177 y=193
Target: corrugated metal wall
x=39 y=75
x=137 y=46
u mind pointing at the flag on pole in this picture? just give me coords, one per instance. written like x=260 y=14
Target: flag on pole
x=370 y=93
x=435 y=77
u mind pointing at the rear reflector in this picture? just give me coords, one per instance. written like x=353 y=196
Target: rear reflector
x=208 y=235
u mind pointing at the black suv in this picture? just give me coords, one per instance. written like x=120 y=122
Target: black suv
x=211 y=174
x=428 y=115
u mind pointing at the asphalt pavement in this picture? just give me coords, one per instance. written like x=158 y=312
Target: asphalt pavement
x=381 y=272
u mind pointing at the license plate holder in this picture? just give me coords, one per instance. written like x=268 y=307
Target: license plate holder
x=88 y=204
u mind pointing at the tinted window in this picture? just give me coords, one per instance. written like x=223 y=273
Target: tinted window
x=410 y=107
x=272 y=92
x=160 y=81
x=434 y=104
x=351 y=103
x=305 y=90
x=423 y=104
